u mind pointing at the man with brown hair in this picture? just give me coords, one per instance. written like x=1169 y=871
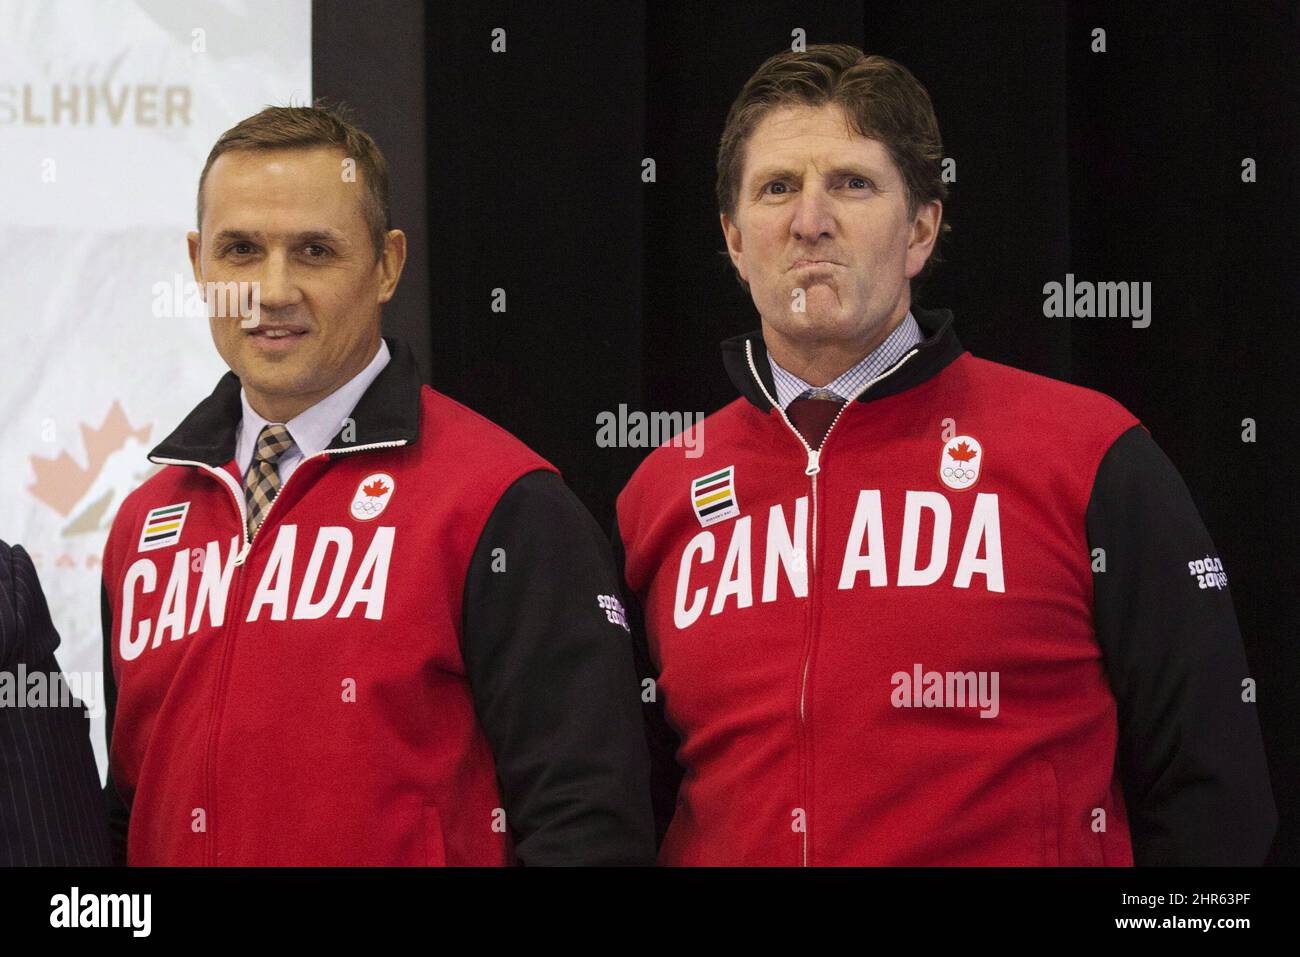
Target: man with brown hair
x=912 y=607
x=351 y=621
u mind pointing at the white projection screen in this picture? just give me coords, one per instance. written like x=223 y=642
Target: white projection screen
x=107 y=113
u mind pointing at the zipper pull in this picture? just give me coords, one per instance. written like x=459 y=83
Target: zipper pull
x=243 y=552
x=813 y=466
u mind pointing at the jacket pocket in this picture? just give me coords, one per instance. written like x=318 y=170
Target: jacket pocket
x=1049 y=812
x=435 y=853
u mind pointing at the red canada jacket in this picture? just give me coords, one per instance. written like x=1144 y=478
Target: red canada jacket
x=982 y=625
x=397 y=669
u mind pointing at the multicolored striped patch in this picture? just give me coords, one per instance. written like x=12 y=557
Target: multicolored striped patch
x=713 y=496
x=162 y=526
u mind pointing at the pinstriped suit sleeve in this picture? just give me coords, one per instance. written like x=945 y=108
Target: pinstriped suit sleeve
x=50 y=812
x=119 y=815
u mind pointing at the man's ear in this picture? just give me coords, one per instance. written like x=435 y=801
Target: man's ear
x=731 y=233
x=924 y=232
x=195 y=247
x=391 y=263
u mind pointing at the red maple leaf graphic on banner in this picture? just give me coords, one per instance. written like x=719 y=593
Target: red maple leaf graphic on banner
x=962 y=452
x=375 y=488
x=62 y=481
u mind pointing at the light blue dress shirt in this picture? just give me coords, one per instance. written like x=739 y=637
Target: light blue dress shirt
x=892 y=348
x=312 y=428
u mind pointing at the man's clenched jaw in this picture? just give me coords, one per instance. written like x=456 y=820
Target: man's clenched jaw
x=822 y=235
x=289 y=221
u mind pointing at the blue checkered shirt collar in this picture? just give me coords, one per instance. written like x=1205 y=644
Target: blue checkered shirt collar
x=894 y=346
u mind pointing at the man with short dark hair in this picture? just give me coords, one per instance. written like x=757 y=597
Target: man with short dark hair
x=912 y=607
x=351 y=621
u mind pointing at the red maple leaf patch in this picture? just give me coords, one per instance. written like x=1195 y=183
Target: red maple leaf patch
x=962 y=452
x=375 y=488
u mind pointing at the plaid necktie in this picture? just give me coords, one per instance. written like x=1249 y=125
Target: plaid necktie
x=812 y=414
x=262 y=481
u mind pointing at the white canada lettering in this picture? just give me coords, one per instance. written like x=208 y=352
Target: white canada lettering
x=786 y=550
x=371 y=583
x=277 y=588
x=342 y=538
x=684 y=617
x=145 y=572
x=735 y=578
x=172 y=615
x=866 y=519
x=908 y=573
x=214 y=584
x=277 y=577
x=782 y=549
x=984 y=525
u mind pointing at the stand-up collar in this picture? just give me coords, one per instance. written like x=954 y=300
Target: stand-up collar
x=388 y=411
x=936 y=350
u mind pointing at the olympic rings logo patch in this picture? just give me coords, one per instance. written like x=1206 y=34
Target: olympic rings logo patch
x=372 y=496
x=961 y=462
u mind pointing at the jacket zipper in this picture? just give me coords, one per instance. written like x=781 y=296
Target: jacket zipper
x=238 y=492
x=814 y=466
x=235 y=592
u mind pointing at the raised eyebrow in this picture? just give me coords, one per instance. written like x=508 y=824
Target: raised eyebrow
x=769 y=174
x=773 y=172
x=866 y=172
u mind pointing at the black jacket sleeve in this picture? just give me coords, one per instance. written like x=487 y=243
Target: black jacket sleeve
x=661 y=738
x=119 y=815
x=549 y=662
x=1190 y=755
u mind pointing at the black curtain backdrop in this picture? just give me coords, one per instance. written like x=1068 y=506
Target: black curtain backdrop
x=522 y=171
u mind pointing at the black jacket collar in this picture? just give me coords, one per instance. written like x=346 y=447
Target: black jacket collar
x=388 y=411
x=938 y=348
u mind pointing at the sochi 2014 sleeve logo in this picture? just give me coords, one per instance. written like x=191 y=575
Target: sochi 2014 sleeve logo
x=372 y=496
x=960 y=462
